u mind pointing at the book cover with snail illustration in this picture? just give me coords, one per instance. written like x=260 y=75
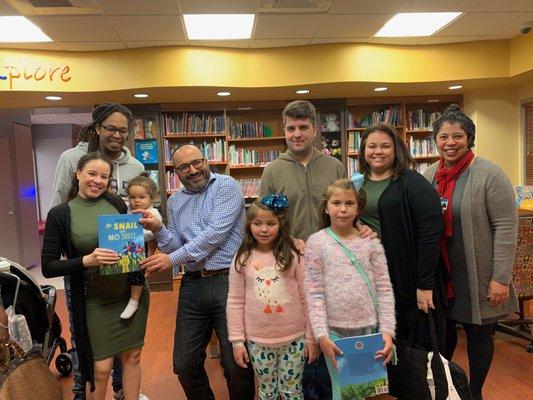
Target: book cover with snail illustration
x=124 y=234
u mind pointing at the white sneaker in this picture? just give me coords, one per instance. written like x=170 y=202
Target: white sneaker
x=118 y=395
x=143 y=397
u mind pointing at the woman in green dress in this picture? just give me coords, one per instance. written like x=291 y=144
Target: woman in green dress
x=97 y=300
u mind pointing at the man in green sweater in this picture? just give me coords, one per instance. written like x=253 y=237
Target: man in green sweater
x=303 y=174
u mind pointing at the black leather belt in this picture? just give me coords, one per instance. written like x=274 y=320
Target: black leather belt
x=206 y=273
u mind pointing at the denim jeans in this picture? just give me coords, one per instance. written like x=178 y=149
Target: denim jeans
x=316 y=382
x=202 y=308
x=78 y=387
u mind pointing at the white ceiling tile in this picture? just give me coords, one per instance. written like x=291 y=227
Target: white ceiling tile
x=340 y=40
x=222 y=43
x=447 y=39
x=440 y=6
x=6 y=10
x=395 y=40
x=263 y=43
x=32 y=46
x=218 y=7
x=138 y=7
x=352 y=25
x=92 y=46
x=156 y=43
x=77 y=28
x=507 y=5
x=287 y=26
x=513 y=27
x=149 y=27
x=367 y=6
x=477 y=24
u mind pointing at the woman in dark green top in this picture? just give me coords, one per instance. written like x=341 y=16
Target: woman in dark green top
x=405 y=210
x=98 y=300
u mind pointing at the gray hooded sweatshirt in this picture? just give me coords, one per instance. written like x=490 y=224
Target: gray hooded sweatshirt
x=125 y=168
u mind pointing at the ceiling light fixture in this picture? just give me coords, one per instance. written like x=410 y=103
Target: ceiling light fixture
x=16 y=29
x=455 y=87
x=381 y=89
x=140 y=95
x=416 y=24
x=302 y=91
x=53 y=98
x=218 y=26
x=224 y=94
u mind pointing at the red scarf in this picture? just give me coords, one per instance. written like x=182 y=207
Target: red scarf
x=445 y=179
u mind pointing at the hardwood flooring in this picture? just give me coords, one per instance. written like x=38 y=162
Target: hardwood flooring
x=510 y=378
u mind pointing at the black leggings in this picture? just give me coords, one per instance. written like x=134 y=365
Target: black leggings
x=480 y=347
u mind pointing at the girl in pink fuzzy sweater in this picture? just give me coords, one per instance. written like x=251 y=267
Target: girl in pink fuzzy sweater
x=266 y=303
x=338 y=299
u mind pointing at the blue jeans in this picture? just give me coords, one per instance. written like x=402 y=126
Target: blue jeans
x=78 y=387
x=202 y=308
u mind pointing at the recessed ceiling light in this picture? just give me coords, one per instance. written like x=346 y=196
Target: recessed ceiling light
x=53 y=98
x=381 y=89
x=224 y=94
x=18 y=29
x=302 y=91
x=140 y=95
x=218 y=26
x=416 y=24
x=455 y=87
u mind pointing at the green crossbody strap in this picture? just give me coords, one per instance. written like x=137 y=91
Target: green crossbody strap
x=358 y=266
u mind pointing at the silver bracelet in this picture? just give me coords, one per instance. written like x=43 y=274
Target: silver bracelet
x=237 y=345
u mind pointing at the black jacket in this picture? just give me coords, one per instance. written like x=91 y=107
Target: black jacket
x=411 y=224
x=58 y=241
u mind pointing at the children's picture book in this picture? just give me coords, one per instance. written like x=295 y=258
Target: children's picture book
x=124 y=234
x=360 y=374
x=146 y=151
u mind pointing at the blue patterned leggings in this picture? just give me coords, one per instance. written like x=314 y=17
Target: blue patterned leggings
x=279 y=370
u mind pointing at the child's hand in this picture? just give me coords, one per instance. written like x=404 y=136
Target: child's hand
x=386 y=352
x=312 y=351
x=148 y=220
x=329 y=349
x=240 y=354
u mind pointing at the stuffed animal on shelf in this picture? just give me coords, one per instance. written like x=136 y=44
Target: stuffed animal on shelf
x=332 y=123
x=336 y=150
x=324 y=148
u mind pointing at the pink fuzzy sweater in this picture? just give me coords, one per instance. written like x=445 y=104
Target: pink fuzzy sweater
x=265 y=305
x=337 y=296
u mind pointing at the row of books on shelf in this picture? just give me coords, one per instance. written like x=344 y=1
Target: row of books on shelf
x=248 y=130
x=353 y=166
x=239 y=156
x=390 y=115
x=423 y=147
x=193 y=124
x=421 y=120
x=212 y=151
x=144 y=128
x=249 y=187
x=354 y=141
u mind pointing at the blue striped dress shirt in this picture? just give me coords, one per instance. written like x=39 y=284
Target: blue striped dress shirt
x=204 y=228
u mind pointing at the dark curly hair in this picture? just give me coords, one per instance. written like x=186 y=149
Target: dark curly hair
x=453 y=115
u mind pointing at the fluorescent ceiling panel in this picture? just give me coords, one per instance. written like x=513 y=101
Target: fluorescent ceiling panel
x=218 y=26
x=416 y=24
x=18 y=29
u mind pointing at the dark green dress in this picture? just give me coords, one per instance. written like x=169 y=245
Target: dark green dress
x=106 y=296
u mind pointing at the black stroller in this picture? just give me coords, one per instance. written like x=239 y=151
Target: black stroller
x=37 y=304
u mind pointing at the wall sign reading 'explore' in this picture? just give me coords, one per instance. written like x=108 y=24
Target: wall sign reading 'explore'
x=38 y=73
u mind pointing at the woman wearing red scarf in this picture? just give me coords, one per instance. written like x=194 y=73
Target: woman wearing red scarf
x=479 y=240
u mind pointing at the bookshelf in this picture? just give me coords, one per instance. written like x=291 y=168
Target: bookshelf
x=412 y=116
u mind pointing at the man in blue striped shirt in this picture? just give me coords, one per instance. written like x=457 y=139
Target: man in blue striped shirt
x=205 y=228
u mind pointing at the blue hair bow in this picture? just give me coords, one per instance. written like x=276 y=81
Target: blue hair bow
x=275 y=201
x=357 y=180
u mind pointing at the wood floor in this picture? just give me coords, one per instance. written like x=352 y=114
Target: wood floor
x=511 y=376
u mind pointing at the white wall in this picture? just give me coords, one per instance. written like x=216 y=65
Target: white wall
x=49 y=141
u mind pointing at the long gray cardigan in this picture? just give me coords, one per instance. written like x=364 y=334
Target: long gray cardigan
x=490 y=224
